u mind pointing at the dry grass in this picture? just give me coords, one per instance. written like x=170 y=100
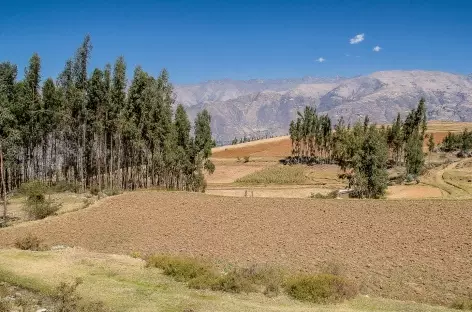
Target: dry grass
x=277 y=174
x=123 y=284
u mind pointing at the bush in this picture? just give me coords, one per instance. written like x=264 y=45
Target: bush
x=233 y=282
x=462 y=304
x=180 y=268
x=29 y=242
x=246 y=159
x=41 y=208
x=5 y=306
x=330 y=195
x=37 y=206
x=94 y=190
x=323 y=288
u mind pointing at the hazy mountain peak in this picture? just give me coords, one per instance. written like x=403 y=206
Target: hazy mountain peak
x=265 y=106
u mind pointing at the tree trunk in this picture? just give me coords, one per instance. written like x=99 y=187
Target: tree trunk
x=4 y=192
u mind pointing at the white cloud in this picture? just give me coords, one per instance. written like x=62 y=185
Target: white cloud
x=320 y=60
x=358 y=38
x=347 y=54
x=376 y=49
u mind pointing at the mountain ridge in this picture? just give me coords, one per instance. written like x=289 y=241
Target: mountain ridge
x=265 y=107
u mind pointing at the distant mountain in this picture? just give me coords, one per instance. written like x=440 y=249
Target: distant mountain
x=260 y=107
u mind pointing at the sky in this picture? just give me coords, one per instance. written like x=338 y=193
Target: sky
x=208 y=39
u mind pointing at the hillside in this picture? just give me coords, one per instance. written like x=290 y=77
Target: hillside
x=259 y=107
x=399 y=249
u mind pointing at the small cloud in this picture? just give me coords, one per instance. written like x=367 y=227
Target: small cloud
x=376 y=49
x=357 y=56
x=347 y=54
x=320 y=60
x=358 y=38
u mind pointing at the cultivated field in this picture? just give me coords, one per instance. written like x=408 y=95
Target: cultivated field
x=409 y=250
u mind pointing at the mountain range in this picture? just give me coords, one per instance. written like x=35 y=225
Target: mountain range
x=257 y=107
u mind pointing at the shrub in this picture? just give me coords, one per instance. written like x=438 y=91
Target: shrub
x=37 y=206
x=41 y=208
x=5 y=306
x=29 y=242
x=462 y=304
x=246 y=159
x=94 y=190
x=182 y=269
x=136 y=255
x=323 y=288
x=234 y=282
x=330 y=195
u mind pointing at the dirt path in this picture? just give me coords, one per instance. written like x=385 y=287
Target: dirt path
x=436 y=178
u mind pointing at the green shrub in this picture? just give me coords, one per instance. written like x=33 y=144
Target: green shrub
x=94 y=190
x=182 y=269
x=323 y=288
x=206 y=281
x=462 y=304
x=37 y=206
x=29 y=242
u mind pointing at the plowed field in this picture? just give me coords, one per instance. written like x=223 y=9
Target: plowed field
x=418 y=250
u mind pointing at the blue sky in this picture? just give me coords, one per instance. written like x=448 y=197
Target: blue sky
x=203 y=40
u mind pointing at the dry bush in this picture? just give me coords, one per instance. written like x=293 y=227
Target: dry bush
x=68 y=300
x=5 y=306
x=180 y=268
x=322 y=288
x=246 y=159
x=29 y=242
x=462 y=304
x=330 y=195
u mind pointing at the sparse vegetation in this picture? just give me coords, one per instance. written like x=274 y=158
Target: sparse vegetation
x=462 y=304
x=29 y=242
x=323 y=288
x=330 y=195
x=276 y=175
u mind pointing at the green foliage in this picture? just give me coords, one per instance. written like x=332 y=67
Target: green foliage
x=181 y=268
x=414 y=156
x=89 y=130
x=370 y=178
x=431 y=143
x=29 y=242
x=37 y=206
x=323 y=288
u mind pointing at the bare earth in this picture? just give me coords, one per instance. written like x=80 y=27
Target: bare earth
x=409 y=250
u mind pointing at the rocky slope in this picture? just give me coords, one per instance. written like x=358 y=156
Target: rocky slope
x=260 y=107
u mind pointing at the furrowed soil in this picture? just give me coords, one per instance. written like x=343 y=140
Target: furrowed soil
x=410 y=250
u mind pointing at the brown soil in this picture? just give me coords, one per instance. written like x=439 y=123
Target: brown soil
x=418 y=250
x=282 y=146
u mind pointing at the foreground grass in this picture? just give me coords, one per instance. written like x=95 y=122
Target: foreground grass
x=124 y=284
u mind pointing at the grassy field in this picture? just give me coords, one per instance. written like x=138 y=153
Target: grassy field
x=124 y=284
